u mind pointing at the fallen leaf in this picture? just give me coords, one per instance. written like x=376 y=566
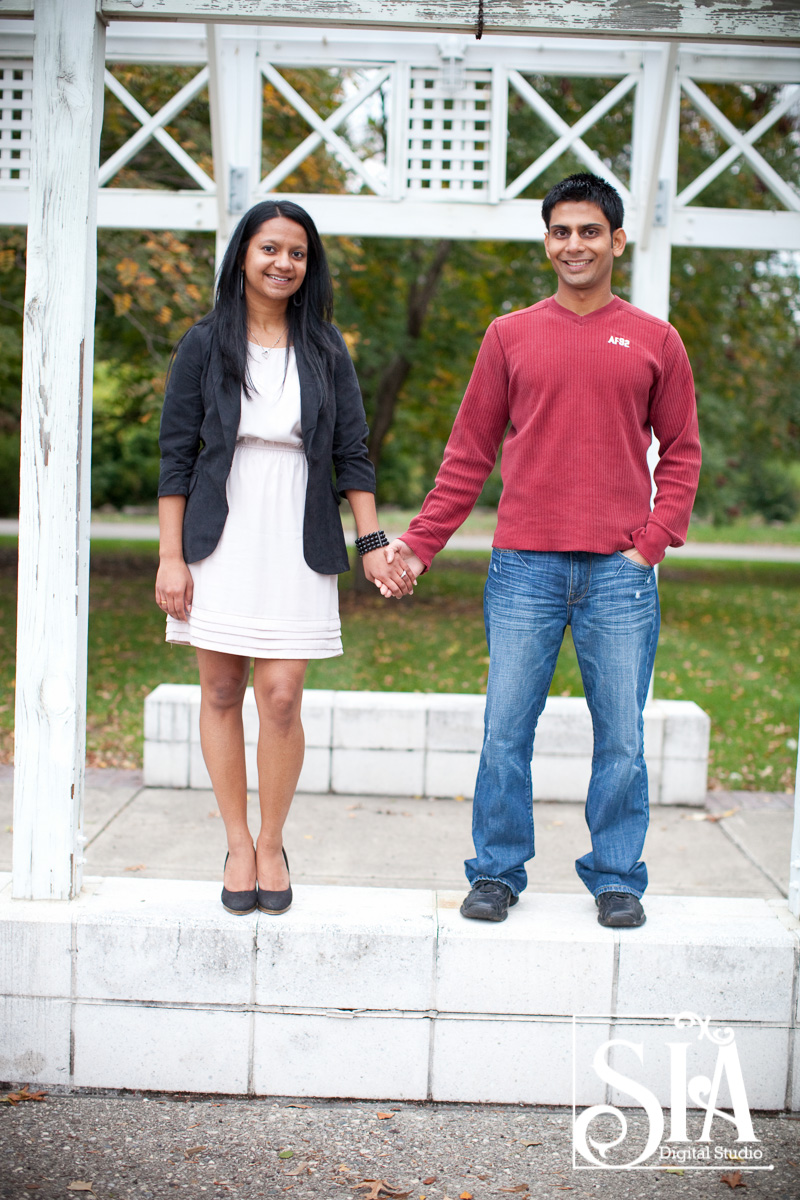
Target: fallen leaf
x=522 y=1142
x=465 y=1196
x=427 y=1182
x=286 y=1154
x=733 y=1180
x=78 y=1185
x=674 y=1170
x=519 y=1187
x=138 y=867
x=193 y=1150
x=297 y=1106
x=712 y=817
x=299 y=1169
x=21 y=1095
x=378 y=1188
x=384 y=1116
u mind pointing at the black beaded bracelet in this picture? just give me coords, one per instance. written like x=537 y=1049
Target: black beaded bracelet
x=371 y=541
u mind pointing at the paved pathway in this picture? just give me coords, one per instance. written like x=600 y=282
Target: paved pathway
x=737 y=846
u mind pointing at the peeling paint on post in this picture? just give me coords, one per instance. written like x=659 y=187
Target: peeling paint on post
x=69 y=46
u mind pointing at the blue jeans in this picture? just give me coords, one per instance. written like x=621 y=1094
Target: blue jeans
x=612 y=605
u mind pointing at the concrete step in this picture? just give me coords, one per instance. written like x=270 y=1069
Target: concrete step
x=386 y=993
x=426 y=744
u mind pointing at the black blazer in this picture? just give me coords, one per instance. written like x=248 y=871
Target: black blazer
x=199 y=422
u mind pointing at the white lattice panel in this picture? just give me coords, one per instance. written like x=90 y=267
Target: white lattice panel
x=16 y=98
x=449 y=134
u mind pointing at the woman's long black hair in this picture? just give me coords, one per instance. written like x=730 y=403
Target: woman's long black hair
x=309 y=311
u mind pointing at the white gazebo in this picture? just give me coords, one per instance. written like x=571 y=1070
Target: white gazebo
x=447 y=68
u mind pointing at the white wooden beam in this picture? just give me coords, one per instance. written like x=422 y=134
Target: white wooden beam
x=652 y=254
x=743 y=145
x=570 y=136
x=126 y=153
x=152 y=126
x=736 y=229
x=664 y=91
x=318 y=138
x=681 y=20
x=56 y=450
x=789 y=100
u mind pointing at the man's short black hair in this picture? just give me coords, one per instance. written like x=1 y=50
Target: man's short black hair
x=590 y=188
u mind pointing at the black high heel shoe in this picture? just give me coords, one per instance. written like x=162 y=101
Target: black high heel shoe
x=238 y=903
x=275 y=903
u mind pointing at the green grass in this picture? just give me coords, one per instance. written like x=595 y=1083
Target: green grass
x=730 y=641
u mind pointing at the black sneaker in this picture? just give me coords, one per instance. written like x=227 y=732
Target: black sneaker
x=619 y=910
x=489 y=900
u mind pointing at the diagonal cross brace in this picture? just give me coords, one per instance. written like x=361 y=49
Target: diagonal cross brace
x=570 y=135
x=740 y=143
x=152 y=127
x=324 y=130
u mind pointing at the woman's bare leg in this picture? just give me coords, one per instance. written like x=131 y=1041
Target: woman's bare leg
x=278 y=686
x=223 y=682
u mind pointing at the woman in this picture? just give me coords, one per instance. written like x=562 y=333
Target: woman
x=261 y=399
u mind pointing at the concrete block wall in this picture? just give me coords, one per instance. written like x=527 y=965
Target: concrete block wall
x=386 y=994
x=420 y=744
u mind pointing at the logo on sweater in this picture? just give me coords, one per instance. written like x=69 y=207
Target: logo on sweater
x=617 y=341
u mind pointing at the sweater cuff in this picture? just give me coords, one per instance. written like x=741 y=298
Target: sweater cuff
x=417 y=548
x=651 y=541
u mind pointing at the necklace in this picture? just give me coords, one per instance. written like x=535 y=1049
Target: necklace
x=266 y=350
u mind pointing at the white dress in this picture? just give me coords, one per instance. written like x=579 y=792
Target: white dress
x=255 y=595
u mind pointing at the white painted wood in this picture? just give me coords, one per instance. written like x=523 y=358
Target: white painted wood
x=785 y=192
x=651 y=262
x=499 y=156
x=569 y=136
x=324 y=129
x=158 y=133
x=310 y=144
x=794 y=857
x=731 y=229
x=152 y=126
x=55 y=455
x=218 y=148
x=664 y=90
x=16 y=115
x=771 y=20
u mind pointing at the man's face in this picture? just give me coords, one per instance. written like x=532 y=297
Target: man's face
x=581 y=246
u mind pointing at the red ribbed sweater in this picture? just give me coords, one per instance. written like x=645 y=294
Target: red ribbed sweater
x=578 y=395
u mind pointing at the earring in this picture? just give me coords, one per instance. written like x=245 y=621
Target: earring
x=241 y=283
x=297 y=299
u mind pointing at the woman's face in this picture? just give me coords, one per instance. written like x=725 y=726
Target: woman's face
x=275 y=261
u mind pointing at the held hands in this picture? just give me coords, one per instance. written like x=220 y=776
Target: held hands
x=401 y=558
x=174 y=589
x=391 y=578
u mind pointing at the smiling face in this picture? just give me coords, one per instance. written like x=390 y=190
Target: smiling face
x=275 y=263
x=582 y=249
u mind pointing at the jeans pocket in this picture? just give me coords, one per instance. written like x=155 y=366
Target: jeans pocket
x=643 y=570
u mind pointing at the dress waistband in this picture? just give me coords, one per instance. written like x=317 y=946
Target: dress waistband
x=263 y=444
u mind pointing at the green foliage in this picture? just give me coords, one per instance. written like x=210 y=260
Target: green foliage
x=730 y=640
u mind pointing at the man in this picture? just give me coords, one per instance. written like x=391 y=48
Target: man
x=577 y=381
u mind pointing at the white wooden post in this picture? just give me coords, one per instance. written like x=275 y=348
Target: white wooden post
x=69 y=44
x=235 y=93
x=794 y=857
x=654 y=172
